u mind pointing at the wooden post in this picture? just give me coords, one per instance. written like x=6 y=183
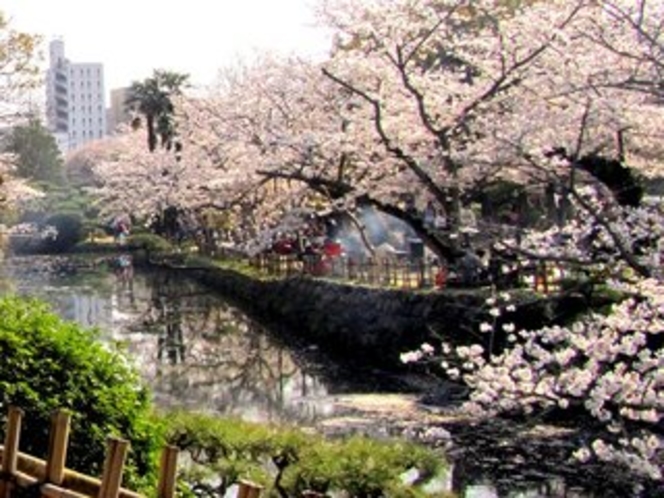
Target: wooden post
x=10 y=453
x=248 y=489
x=423 y=275
x=116 y=452
x=167 y=472
x=57 y=448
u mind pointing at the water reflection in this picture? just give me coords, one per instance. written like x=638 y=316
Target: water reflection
x=195 y=350
x=203 y=353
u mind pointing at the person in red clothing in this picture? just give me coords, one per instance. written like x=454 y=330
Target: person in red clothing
x=440 y=278
x=332 y=248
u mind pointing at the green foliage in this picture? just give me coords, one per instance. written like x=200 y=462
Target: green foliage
x=38 y=156
x=64 y=197
x=244 y=267
x=69 y=227
x=152 y=99
x=19 y=58
x=49 y=364
x=69 y=209
x=290 y=461
x=359 y=466
x=149 y=242
x=62 y=231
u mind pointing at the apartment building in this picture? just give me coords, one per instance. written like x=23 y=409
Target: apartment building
x=75 y=105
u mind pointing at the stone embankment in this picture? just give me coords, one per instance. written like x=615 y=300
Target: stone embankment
x=371 y=324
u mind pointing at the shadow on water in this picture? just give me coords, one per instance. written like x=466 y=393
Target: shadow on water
x=199 y=352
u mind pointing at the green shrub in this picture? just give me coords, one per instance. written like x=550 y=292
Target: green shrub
x=149 y=242
x=289 y=461
x=69 y=228
x=49 y=364
x=360 y=466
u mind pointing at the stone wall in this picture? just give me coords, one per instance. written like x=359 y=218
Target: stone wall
x=375 y=326
x=372 y=325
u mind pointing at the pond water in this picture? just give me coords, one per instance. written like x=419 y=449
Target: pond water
x=198 y=351
x=195 y=350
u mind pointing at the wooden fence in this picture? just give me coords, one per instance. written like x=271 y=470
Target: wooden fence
x=390 y=273
x=399 y=273
x=20 y=471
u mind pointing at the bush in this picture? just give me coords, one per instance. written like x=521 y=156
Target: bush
x=49 y=364
x=150 y=243
x=69 y=227
x=360 y=467
x=223 y=451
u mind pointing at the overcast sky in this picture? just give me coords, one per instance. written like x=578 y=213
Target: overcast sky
x=133 y=37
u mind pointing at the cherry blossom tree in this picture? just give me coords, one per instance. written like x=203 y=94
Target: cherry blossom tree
x=597 y=94
x=19 y=58
x=19 y=71
x=465 y=94
x=284 y=139
x=128 y=178
x=433 y=78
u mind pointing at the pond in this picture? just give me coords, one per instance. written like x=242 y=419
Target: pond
x=194 y=350
x=198 y=351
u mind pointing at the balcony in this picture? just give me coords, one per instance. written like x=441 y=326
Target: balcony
x=61 y=88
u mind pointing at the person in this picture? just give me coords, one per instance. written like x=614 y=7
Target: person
x=440 y=278
x=309 y=258
x=440 y=220
x=469 y=268
x=429 y=216
x=121 y=228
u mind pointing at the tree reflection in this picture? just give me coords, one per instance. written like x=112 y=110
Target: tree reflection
x=171 y=342
x=209 y=355
x=193 y=347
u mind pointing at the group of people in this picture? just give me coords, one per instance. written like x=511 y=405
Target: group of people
x=316 y=253
x=477 y=268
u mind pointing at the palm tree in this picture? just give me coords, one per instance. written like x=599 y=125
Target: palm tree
x=152 y=98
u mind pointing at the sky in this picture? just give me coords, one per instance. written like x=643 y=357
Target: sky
x=198 y=37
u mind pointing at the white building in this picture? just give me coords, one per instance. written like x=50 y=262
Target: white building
x=75 y=106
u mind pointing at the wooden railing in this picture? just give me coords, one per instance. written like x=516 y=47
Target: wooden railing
x=399 y=273
x=391 y=273
x=52 y=479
